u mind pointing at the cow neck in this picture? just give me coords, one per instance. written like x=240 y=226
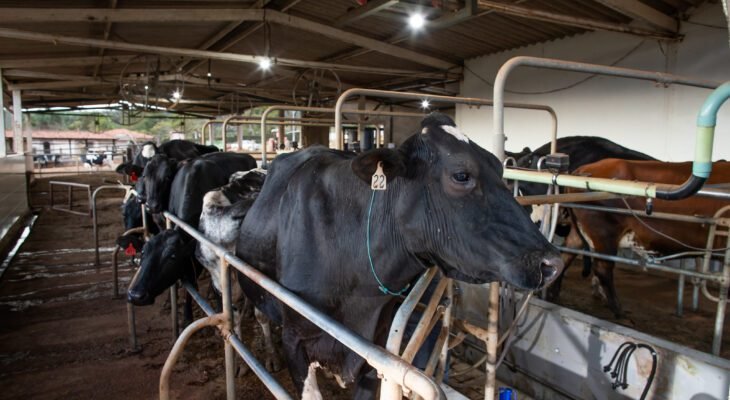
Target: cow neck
x=381 y=285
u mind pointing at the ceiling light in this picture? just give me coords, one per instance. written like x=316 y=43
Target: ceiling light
x=425 y=104
x=146 y=87
x=209 y=74
x=265 y=63
x=176 y=95
x=416 y=21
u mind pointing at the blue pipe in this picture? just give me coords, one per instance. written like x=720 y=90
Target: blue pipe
x=706 y=121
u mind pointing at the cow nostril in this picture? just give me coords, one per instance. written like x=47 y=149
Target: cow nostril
x=550 y=267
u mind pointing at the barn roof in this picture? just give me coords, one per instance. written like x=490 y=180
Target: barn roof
x=76 y=52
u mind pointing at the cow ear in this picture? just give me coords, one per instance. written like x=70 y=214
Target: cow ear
x=365 y=164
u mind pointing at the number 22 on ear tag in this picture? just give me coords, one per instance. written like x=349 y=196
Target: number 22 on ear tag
x=379 y=182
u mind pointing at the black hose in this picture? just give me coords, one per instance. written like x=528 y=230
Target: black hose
x=620 y=370
x=688 y=188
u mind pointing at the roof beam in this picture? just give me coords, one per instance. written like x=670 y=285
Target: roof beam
x=21 y=15
x=569 y=20
x=19 y=73
x=215 y=40
x=134 y=15
x=107 y=32
x=176 y=51
x=63 y=61
x=638 y=10
x=60 y=84
x=370 y=8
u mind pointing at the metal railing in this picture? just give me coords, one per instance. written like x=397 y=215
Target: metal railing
x=423 y=96
x=70 y=192
x=94 y=217
x=393 y=369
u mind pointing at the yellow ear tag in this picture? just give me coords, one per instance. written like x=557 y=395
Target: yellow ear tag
x=379 y=182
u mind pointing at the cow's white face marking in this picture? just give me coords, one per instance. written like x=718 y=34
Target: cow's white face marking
x=148 y=151
x=215 y=198
x=311 y=389
x=455 y=132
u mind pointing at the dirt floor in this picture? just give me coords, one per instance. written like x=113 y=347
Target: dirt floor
x=62 y=336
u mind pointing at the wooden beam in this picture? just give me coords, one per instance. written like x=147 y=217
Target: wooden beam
x=59 y=84
x=176 y=51
x=63 y=61
x=107 y=32
x=19 y=73
x=239 y=37
x=569 y=20
x=129 y=15
x=638 y=10
x=370 y=8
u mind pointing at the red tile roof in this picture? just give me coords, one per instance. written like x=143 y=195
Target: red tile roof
x=119 y=134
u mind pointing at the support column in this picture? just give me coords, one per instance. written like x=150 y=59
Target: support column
x=280 y=137
x=17 y=122
x=3 y=150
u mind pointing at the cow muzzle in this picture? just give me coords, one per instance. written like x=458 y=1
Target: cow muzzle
x=550 y=268
x=139 y=297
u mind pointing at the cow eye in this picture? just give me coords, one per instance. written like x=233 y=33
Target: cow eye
x=461 y=177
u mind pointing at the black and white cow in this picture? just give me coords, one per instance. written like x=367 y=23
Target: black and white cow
x=320 y=231
x=176 y=149
x=181 y=188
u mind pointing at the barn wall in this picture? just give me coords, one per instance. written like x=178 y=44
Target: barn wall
x=638 y=114
x=13 y=197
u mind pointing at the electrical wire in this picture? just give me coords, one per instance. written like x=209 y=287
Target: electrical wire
x=560 y=89
x=664 y=235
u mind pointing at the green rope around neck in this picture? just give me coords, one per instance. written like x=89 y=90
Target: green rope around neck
x=381 y=286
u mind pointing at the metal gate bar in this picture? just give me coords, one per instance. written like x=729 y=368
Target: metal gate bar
x=70 y=186
x=387 y=364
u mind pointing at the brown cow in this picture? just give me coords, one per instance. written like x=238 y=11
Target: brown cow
x=606 y=232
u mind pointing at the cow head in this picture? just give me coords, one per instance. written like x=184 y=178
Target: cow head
x=453 y=209
x=154 y=187
x=166 y=257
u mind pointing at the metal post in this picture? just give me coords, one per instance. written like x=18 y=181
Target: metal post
x=722 y=303
x=225 y=277
x=70 y=198
x=680 y=293
x=422 y=96
x=17 y=122
x=173 y=297
x=94 y=215
x=3 y=150
x=492 y=334
x=509 y=66
x=176 y=351
x=132 y=326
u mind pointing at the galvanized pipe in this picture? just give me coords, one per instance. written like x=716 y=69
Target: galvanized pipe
x=388 y=364
x=643 y=214
x=225 y=282
x=176 y=351
x=94 y=216
x=423 y=96
x=421 y=331
x=131 y=323
x=338 y=117
x=703 y=144
x=51 y=184
x=647 y=265
x=173 y=296
x=249 y=358
x=492 y=338
x=391 y=390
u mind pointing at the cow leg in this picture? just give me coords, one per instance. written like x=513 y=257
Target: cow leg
x=603 y=284
x=367 y=386
x=248 y=308
x=273 y=359
x=296 y=358
x=243 y=368
x=311 y=388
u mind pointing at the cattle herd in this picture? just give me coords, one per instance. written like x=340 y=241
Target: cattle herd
x=312 y=223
